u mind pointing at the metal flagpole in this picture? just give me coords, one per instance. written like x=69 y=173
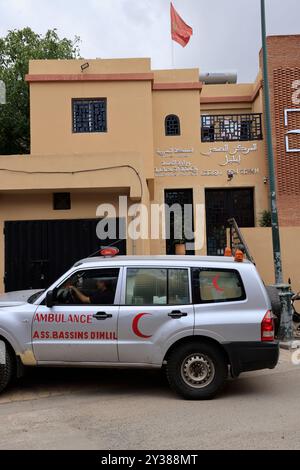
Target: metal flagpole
x=286 y=326
x=173 y=53
x=172 y=42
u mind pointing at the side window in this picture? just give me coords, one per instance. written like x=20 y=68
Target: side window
x=217 y=285
x=172 y=125
x=155 y=286
x=97 y=287
x=178 y=287
x=146 y=286
x=89 y=115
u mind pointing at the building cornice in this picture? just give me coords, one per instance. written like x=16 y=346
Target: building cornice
x=110 y=77
x=177 y=86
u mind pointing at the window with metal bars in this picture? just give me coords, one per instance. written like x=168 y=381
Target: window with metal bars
x=89 y=115
x=231 y=127
x=172 y=125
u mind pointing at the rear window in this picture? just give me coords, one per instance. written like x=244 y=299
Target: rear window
x=217 y=285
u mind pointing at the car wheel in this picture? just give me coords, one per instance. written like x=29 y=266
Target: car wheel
x=197 y=371
x=7 y=371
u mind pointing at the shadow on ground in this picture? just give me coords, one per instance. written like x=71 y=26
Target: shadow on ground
x=46 y=382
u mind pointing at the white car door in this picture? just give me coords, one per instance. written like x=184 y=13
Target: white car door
x=157 y=309
x=72 y=331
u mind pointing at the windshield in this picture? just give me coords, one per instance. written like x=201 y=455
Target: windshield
x=33 y=297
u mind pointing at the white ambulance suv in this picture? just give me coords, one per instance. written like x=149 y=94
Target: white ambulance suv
x=199 y=318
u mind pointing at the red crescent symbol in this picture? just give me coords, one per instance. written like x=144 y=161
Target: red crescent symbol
x=135 y=326
x=216 y=285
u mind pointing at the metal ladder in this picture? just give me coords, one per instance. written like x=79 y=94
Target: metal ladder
x=237 y=241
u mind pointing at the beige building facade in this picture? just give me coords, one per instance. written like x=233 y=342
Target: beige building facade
x=101 y=129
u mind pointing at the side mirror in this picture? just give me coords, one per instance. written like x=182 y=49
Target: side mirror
x=50 y=298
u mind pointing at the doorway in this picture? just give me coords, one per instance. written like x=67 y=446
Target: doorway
x=183 y=197
x=224 y=204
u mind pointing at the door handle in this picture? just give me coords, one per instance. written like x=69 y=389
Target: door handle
x=102 y=316
x=177 y=314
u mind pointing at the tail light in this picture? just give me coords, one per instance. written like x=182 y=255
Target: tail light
x=267 y=327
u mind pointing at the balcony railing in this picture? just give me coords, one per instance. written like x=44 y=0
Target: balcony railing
x=231 y=127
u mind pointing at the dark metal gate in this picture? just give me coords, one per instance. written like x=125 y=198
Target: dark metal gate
x=38 y=252
x=224 y=204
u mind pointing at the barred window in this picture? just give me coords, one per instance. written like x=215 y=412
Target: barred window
x=238 y=127
x=89 y=115
x=172 y=125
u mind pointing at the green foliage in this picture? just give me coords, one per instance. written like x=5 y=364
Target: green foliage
x=265 y=219
x=16 y=49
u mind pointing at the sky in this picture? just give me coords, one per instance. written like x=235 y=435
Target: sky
x=226 y=32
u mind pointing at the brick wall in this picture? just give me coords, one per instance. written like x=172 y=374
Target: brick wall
x=284 y=71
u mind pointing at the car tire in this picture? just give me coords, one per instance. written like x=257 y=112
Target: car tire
x=7 y=371
x=197 y=371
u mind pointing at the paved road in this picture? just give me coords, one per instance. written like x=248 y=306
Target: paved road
x=111 y=409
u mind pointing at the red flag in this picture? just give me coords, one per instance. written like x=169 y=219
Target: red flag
x=181 y=32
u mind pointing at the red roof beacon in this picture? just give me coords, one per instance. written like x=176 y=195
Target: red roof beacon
x=109 y=252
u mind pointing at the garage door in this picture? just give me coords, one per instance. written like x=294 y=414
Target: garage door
x=38 y=252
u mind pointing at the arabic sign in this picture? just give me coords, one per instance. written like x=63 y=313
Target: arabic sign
x=176 y=168
x=171 y=152
x=231 y=156
x=184 y=168
x=236 y=172
x=170 y=167
x=287 y=112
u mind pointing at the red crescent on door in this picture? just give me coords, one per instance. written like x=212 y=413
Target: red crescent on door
x=135 y=326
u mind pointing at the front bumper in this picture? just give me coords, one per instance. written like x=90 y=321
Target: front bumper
x=247 y=356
